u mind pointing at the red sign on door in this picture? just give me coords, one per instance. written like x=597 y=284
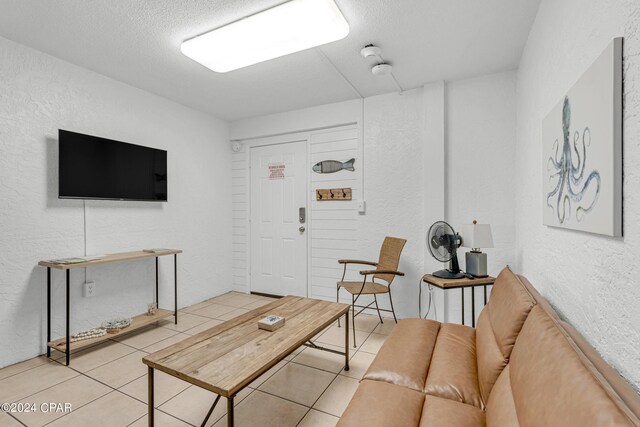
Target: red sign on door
x=276 y=170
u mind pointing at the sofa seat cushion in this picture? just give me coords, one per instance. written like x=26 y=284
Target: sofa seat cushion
x=453 y=372
x=405 y=357
x=440 y=412
x=380 y=404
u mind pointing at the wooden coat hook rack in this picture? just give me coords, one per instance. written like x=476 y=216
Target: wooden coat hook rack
x=324 y=195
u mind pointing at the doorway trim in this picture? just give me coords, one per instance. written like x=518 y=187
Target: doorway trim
x=241 y=162
x=263 y=142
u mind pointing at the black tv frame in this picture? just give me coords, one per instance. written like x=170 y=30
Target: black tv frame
x=61 y=131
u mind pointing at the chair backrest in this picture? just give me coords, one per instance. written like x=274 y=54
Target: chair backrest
x=389 y=257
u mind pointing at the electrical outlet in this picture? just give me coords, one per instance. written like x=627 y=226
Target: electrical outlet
x=89 y=290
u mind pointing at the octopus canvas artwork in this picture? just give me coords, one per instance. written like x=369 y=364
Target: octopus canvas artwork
x=582 y=151
x=570 y=197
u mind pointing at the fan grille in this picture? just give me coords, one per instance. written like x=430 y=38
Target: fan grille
x=441 y=245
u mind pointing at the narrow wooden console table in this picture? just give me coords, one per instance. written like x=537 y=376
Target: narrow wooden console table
x=63 y=344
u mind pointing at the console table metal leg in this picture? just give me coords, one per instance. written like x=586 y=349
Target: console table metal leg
x=48 y=311
x=157 y=295
x=230 y=411
x=473 y=307
x=175 y=284
x=68 y=350
x=346 y=341
x=150 y=396
x=462 y=293
x=485 y=294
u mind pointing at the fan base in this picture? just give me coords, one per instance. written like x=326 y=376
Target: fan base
x=447 y=274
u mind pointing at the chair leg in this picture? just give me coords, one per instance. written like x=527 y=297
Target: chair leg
x=375 y=298
x=338 y=300
x=392 y=310
x=353 y=319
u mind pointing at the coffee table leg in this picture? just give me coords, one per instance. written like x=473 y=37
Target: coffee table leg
x=230 y=411
x=150 y=399
x=346 y=341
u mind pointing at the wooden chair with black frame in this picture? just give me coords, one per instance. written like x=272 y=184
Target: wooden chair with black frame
x=386 y=269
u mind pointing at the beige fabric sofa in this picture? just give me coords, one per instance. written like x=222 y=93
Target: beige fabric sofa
x=522 y=366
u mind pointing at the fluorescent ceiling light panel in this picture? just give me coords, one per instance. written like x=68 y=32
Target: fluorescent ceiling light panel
x=290 y=27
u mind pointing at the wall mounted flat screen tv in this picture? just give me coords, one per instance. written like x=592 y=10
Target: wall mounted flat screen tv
x=97 y=168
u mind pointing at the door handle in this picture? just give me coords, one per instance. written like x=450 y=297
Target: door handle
x=301 y=229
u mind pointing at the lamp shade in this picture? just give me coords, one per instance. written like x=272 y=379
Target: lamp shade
x=476 y=236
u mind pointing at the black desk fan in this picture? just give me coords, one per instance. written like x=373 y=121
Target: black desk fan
x=443 y=243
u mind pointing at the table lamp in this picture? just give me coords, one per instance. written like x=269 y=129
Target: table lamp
x=476 y=236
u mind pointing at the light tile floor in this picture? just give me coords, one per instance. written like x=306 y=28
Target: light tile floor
x=107 y=384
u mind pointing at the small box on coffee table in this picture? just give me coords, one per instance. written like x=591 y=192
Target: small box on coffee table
x=271 y=323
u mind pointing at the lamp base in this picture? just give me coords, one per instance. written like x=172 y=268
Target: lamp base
x=476 y=263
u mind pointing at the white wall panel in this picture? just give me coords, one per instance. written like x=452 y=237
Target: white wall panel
x=40 y=94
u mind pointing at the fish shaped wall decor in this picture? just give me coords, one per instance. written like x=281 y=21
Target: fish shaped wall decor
x=331 y=166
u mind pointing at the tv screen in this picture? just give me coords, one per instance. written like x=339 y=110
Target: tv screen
x=97 y=168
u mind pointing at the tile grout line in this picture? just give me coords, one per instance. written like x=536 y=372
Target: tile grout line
x=96 y=380
x=81 y=406
x=155 y=407
x=17 y=420
x=47 y=360
x=318 y=398
x=164 y=411
x=47 y=388
x=181 y=420
x=91 y=378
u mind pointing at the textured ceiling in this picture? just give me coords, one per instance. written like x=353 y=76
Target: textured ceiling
x=138 y=42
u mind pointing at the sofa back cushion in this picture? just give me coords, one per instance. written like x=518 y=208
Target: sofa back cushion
x=554 y=383
x=498 y=327
x=626 y=393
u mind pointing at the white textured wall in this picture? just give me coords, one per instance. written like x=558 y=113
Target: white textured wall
x=394 y=188
x=480 y=152
x=481 y=132
x=38 y=95
x=592 y=280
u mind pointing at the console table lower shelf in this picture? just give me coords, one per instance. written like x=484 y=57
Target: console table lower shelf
x=64 y=344
x=137 y=322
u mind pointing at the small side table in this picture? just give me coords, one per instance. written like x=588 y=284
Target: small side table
x=446 y=284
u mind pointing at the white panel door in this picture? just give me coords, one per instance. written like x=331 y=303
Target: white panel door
x=278 y=238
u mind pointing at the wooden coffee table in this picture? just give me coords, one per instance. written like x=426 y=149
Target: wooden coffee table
x=228 y=357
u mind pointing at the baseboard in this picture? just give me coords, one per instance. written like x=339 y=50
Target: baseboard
x=266 y=295
x=239 y=288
